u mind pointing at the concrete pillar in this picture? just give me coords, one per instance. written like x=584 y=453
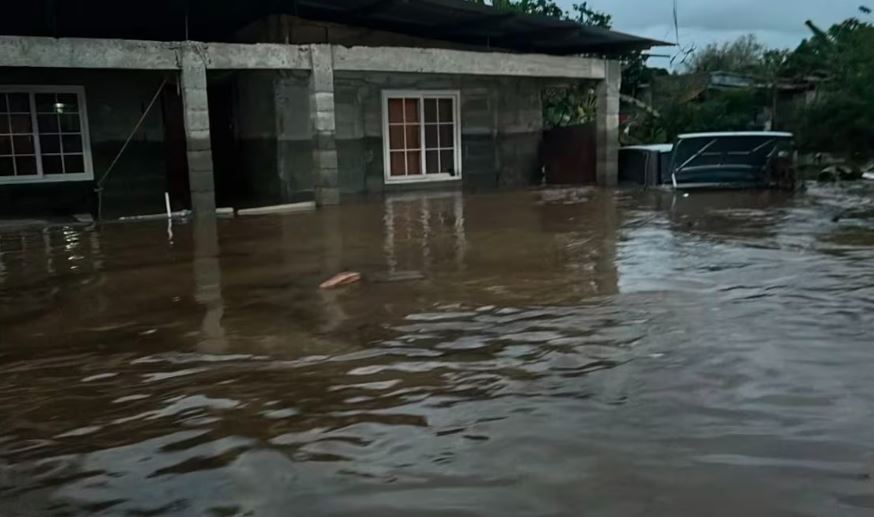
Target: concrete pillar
x=324 y=125
x=607 y=166
x=196 y=113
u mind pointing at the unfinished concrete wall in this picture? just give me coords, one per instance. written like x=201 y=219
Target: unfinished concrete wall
x=115 y=100
x=275 y=135
x=256 y=132
x=501 y=127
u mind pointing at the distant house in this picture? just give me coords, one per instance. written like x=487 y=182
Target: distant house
x=276 y=101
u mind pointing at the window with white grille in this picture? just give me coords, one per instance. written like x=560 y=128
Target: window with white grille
x=421 y=136
x=43 y=134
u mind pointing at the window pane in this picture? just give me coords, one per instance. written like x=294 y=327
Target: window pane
x=396 y=137
x=398 y=166
x=50 y=144
x=52 y=165
x=414 y=163
x=5 y=145
x=72 y=144
x=20 y=123
x=431 y=136
x=395 y=110
x=23 y=144
x=412 y=110
x=447 y=137
x=26 y=165
x=446 y=112
x=6 y=166
x=74 y=164
x=447 y=161
x=18 y=103
x=45 y=102
x=69 y=102
x=48 y=123
x=431 y=165
x=4 y=123
x=69 y=123
x=4 y=107
x=413 y=137
x=430 y=110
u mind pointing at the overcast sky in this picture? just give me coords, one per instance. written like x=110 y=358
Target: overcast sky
x=778 y=23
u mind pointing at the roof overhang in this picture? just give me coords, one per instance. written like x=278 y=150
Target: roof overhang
x=457 y=21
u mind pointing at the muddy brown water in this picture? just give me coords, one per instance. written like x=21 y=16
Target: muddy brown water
x=537 y=353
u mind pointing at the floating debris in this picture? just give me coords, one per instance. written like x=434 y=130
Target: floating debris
x=340 y=280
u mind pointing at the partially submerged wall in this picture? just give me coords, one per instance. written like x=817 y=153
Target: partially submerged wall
x=501 y=131
x=501 y=127
x=275 y=136
x=115 y=100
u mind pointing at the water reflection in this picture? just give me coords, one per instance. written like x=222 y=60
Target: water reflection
x=208 y=285
x=558 y=350
x=419 y=224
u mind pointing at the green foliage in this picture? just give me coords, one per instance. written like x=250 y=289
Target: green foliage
x=720 y=111
x=580 y=13
x=841 y=120
x=742 y=56
x=575 y=104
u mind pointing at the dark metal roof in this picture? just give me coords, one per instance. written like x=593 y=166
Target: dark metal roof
x=457 y=21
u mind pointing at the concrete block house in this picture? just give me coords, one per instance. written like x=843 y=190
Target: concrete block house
x=266 y=102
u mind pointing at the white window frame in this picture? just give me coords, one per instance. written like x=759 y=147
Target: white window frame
x=32 y=90
x=421 y=95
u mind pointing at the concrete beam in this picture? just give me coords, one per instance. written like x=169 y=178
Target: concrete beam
x=442 y=61
x=87 y=53
x=261 y=56
x=25 y=51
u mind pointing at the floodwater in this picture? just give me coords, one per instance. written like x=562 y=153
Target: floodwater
x=535 y=353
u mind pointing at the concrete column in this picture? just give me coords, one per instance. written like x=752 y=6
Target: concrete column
x=324 y=125
x=192 y=64
x=607 y=166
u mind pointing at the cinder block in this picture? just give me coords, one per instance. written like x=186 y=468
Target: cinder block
x=324 y=121
x=322 y=102
x=327 y=177
x=200 y=161
x=193 y=75
x=327 y=196
x=201 y=181
x=196 y=120
x=325 y=141
x=195 y=99
x=198 y=140
x=203 y=204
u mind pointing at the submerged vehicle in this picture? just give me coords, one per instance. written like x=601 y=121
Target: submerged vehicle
x=752 y=159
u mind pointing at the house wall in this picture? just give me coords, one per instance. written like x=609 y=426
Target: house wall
x=115 y=100
x=501 y=131
x=501 y=127
x=275 y=136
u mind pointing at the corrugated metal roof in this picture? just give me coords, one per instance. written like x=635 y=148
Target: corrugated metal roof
x=457 y=21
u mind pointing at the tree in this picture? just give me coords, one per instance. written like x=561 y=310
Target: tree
x=841 y=120
x=576 y=104
x=744 y=55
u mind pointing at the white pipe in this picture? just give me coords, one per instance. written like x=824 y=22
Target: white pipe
x=167 y=204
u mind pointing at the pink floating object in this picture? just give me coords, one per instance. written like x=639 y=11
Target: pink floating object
x=340 y=280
